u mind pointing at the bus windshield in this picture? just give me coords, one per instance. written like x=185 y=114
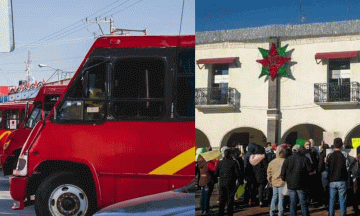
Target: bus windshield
x=34 y=117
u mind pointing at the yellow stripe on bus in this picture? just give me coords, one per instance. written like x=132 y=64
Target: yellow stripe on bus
x=5 y=133
x=176 y=164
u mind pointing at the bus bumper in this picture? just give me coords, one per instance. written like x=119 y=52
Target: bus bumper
x=18 y=186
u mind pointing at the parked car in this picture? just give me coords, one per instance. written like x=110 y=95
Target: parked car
x=176 y=202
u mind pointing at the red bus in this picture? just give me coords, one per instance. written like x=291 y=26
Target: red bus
x=42 y=105
x=11 y=115
x=124 y=128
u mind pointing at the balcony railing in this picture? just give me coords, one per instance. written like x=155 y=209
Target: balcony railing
x=333 y=92
x=217 y=96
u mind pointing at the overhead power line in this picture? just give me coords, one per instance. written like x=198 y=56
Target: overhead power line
x=71 y=28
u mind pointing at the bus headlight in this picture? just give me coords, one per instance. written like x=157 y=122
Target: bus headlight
x=21 y=167
x=6 y=145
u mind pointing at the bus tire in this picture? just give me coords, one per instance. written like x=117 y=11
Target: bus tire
x=61 y=193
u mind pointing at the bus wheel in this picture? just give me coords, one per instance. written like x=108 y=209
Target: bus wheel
x=62 y=194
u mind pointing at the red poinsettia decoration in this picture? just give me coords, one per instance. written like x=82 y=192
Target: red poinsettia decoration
x=274 y=62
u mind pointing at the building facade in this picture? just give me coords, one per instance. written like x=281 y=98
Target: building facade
x=319 y=100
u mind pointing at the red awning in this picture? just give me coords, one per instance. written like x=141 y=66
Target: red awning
x=229 y=60
x=337 y=55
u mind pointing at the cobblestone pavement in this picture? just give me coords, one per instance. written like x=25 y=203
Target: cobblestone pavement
x=244 y=210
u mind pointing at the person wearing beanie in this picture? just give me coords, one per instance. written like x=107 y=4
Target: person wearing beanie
x=273 y=146
x=295 y=148
x=295 y=172
x=269 y=153
x=277 y=184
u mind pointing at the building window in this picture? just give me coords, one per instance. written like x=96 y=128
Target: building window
x=339 y=80
x=220 y=84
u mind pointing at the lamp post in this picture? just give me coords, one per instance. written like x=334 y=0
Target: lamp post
x=56 y=71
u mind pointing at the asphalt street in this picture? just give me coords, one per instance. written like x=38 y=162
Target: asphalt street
x=6 y=201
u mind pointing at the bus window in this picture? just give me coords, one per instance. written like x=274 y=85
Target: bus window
x=22 y=116
x=11 y=119
x=138 y=88
x=71 y=110
x=49 y=102
x=185 y=85
x=34 y=117
x=88 y=105
x=96 y=83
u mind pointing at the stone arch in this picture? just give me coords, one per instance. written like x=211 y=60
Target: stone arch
x=243 y=136
x=354 y=133
x=201 y=139
x=303 y=131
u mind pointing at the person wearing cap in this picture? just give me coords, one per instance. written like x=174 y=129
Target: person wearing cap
x=295 y=172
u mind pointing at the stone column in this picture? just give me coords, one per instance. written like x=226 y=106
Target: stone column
x=273 y=111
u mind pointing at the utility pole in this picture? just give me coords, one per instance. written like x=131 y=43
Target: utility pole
x=102 y=21
x=28 y=69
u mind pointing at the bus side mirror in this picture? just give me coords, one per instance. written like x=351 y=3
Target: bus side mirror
x=55 y=114
x=7 y=43
x=26 y=110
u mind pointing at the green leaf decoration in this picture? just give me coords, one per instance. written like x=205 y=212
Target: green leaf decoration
x=284 y=72
x=264 y=71
x=264 y=52
x=282 y=50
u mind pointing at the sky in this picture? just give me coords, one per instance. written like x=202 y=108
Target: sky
x=56 y=33
x=214 y=15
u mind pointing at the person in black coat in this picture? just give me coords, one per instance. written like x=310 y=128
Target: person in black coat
x=228 y=172
x=251 y=184
x=259 y=163
x=295 y=172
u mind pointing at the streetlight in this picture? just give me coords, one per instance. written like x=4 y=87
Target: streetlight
x=56 y=71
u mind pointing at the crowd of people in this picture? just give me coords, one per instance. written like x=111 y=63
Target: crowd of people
x=283 y=176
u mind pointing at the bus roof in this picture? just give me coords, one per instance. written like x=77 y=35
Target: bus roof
x=144 y=41
x=50 y=90
x=12 y=105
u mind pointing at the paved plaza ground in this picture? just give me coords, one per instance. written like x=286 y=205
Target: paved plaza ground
x=244 y=210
